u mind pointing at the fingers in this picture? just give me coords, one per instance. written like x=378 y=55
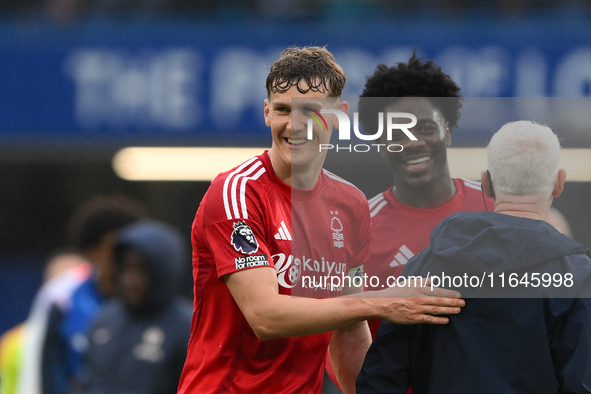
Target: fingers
x=454 y=302
x=439 y=292
x=414 y=318
x=417 y=309
x=428 y=319
x=423 y=310
x=441 y=310
x=428 y=316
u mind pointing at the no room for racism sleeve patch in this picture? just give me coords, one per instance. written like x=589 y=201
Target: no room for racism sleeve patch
x=257 y=260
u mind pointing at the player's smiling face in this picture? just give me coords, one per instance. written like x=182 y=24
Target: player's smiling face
x=288 y=120
x=423 y=162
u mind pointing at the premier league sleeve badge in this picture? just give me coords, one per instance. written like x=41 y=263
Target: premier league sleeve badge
x=243 y=239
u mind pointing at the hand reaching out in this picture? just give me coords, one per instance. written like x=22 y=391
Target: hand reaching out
x=414 y=303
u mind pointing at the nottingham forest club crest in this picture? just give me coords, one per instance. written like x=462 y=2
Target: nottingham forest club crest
x=336 y=226
x=243 y=239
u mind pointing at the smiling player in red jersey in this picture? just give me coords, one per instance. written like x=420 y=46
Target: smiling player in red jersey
x=248 y=334
x=424 y=193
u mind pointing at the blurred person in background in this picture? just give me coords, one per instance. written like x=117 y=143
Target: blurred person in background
x=536 y=341
x=57 y=291
x=92 y=231
x=16 y=344
x=138 y=341
x=12 y=343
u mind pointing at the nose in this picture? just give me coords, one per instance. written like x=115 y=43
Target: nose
x=409 y=144
x=298 y=122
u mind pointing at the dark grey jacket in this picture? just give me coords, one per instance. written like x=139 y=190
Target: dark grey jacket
x=496 y=344
x=142 y=351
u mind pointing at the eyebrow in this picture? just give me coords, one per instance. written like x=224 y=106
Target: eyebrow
x=426 y=120
x=281 y=103
x=299 y=102
x=310 y=104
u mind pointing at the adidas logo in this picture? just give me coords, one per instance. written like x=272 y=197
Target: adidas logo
x=402 y=256
x=283 y=233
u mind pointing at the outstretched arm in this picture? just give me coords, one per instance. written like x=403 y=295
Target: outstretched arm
x=273 y=315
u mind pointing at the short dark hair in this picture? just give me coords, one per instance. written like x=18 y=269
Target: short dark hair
x=417 y=78
x=100 y=215
x=314 y=65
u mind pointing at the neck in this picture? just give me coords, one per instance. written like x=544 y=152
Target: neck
x=442 y=191
x=300 y=177
x=304 y=179
x=530 y=207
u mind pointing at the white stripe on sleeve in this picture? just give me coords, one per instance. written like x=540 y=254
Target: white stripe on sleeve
x=243 y=191
x=227 y=183
x=235 y=182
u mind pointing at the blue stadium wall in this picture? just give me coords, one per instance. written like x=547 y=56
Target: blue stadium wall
x=194 y=83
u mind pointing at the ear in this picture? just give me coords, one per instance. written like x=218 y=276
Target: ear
x=485 y=184
x=343 y=107
x=559 y=184
x=266 y=113
x=447 y=134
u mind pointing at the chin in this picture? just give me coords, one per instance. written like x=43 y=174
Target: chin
x=421 y=185
x=301 y=161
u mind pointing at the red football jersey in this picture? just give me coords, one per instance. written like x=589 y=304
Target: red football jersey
x=400 y=231
x=249 y=218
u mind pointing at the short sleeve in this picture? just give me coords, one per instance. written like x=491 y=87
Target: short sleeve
x=232 y=227
x=238 y=244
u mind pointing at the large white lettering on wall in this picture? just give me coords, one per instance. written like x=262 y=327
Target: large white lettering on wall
x=120 y=89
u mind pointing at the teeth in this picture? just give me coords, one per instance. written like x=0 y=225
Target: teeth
x=298 y=141
x=418 y=161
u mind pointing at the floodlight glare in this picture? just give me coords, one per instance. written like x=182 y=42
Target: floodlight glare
x=178 y=164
